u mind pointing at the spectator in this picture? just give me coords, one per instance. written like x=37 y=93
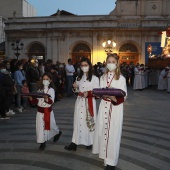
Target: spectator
x=6 y=91
x=33 y=75
x=25 y=90
x=19 y=77
x=69 y=74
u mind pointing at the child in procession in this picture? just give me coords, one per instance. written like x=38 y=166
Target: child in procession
x=46 y=127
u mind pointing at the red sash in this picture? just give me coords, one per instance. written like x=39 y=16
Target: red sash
x=47 y=113
x=90 y=102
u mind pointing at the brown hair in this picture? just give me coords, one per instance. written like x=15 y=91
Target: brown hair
x=117 y=71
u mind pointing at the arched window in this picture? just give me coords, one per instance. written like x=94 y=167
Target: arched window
x=128 y=47
x=37 y=50
x=81 y=47
x=80 y=50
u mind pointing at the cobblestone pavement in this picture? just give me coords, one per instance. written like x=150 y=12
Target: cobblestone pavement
x=145 y=141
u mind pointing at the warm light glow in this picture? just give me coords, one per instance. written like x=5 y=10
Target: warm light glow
x=109 y=42
x=114 y=44
x=104 y=44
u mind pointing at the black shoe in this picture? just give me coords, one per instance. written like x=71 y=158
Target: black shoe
x=56 y=137
x=42 y=146
x=108 y=167
x=71 y=147
x=89 y=147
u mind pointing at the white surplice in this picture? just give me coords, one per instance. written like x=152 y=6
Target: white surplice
x=109 y=126
x=138 y=83
x=162 y=84
x=81 y=133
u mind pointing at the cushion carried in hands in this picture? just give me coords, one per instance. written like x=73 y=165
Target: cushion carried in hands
x=35 y=95
x=108 y=92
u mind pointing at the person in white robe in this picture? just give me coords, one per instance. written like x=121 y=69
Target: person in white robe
x=137 y=85
x=162 y=84
x=85 y=106
x=110 y=116
x=142 y=70
x=46 y=127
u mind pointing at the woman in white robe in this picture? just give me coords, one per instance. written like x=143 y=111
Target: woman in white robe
x=137 y=85
x=46 y=127
x=110 y=116
x=85 y=83
x=162 y=84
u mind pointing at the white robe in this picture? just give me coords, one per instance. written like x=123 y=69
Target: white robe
x=168 y=89
x=107 y=140
x=81 y=133
x=138 y=83
x=162 y=84
x=143 y=79
x=44 y=135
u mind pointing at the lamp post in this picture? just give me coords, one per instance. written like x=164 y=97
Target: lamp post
x=108 y=46
x=17 y=47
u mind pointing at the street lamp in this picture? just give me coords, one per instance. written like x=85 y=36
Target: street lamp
x=17 y=47
x=108 y=46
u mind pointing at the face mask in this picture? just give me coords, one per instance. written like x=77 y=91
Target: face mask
x=3 y=70
x=46 y=82
x=36 y=64
x=61 y=66
x=85 y=69
x=111 y=66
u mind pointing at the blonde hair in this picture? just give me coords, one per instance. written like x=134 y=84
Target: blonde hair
x=117 y=70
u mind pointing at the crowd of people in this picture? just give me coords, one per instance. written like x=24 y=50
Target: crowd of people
x=22 y=76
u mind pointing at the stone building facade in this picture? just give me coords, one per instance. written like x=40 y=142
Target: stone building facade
x=131 y=24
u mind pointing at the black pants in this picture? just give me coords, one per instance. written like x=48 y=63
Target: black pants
x=8 y=103
x=3 y=107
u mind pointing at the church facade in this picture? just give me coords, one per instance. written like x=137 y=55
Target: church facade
x=132 y=24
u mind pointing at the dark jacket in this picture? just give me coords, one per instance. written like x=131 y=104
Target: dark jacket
x=32 y=74
x=6 y=85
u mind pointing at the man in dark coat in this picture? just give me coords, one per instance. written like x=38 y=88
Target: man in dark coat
x=6 y=91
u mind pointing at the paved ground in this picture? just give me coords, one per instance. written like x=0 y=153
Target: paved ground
x=145 y=141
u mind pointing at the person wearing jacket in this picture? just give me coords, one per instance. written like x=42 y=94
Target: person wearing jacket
x=6 y=91
x=19 y=76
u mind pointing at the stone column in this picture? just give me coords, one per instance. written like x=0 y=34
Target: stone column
x=142 y=8
x=164 y=8
x=94 y=52
x=49 y=46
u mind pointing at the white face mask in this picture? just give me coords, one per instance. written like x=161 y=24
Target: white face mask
x=46 y=82
x=3 y=70
x=36 y=64
x=85 y=69
x=111 y=66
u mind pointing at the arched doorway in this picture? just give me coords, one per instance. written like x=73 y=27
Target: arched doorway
x=128 y=53
x=80 y=50
x=36 y=49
